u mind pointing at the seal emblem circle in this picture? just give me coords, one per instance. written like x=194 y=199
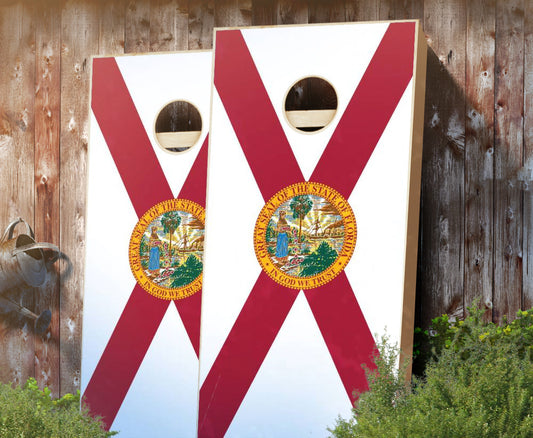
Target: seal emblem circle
x=305 y=235
x=166 y=249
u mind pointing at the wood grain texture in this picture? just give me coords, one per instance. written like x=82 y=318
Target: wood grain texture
x=401 y=9
x=263 y=12
x=169 y=25
x=137 y=27
x=527 y=287
x=442 y=232
x=479 y=153
x=111 y=28
x=292 y=12
x=201 y=23
x=47 y=219
x=231 y=13
x=362 y=10
x=79 y=38
x=508 y=156
x=327 y=12
x=16 y=173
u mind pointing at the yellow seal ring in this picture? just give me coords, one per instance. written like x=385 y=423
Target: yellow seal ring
x=141 y=234
x=298 y=258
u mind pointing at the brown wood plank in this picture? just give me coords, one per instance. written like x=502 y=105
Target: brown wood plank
x=508 y=156
x=79 y=18
x=229 y=13
x=387 y=9
x=263 y=12
x=47 y=124
x=362 y=10
x=408 y=9
x=401 y=9
x=440 y=285
x=169 y=25
x=201 y=23
x=333 y=11
x=479 y=152
x=16 y=173
x=527 y=288
x=112 y=27
x=292 y=12
x=137 y=27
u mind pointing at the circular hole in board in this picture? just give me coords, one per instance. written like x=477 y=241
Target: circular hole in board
x=178 y=126
x=311 y=104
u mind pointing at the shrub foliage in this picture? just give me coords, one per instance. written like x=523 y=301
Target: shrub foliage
x=479 y=383
x=29 y=412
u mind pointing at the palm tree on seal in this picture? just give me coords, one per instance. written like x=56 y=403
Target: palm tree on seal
x=170 y=220
x=300 y=206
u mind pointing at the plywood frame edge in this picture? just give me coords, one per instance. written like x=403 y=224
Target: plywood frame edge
x=342 y=23
x=129 y=55
x=413 y=212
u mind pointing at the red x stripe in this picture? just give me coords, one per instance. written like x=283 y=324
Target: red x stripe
x=146 y=185
x=334 y=305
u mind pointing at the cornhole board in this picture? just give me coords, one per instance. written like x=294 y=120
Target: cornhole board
x=289 y=317
x=141 y=322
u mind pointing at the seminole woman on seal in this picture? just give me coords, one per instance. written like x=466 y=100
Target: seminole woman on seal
x=282 y=243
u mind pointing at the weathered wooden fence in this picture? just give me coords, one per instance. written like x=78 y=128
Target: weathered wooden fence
x=476 y=209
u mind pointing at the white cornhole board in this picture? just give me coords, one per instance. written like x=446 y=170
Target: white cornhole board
x=140 y=349
x=286 y=322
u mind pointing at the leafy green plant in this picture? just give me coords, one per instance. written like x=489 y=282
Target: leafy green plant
x=29 y=412
x=319 y=260
x=187 y=272
x=478 y=384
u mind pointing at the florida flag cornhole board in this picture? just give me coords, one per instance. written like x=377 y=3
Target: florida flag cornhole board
x=145 y=233
x=311 y=247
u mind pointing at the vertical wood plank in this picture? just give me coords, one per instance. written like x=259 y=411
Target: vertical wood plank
x=401 y=9
x=111 y=27
x=387 y=9
x=509 y=93
x=16 y=173
x=362 y=10
x=229 y=13
x=80 y=27
x=327 y=12
x=479 y=152
x=292 y=12
x=263 y=12
x=137 y=27
x=440 y=285
x=201 y=23
x=527 y=288
x=169 y=25
x=47 y=125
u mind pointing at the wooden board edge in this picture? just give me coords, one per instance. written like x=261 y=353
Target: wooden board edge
x=415 y=180
x=343 y=23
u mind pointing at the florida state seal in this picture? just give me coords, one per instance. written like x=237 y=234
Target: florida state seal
x=166 y=249
x=305 y=235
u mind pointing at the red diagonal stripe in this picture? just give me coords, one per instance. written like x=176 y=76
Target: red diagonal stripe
x=189 y=309
x=194 y=187
x=345 y=331
x=369 y=110
x=124 y=354
x=253 y=118
x=126 y=137
x=242 y=354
